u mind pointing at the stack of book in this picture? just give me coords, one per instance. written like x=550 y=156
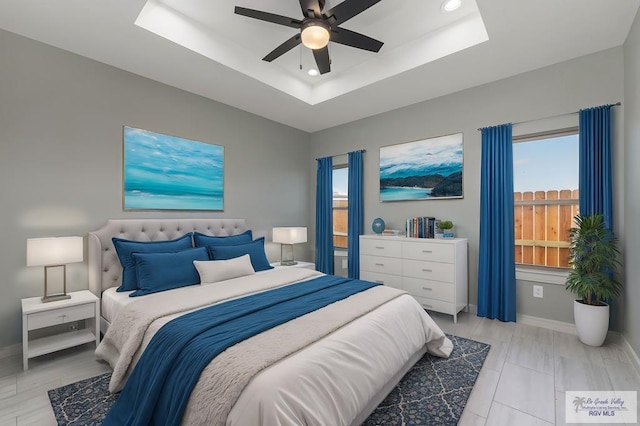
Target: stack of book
x=422 y=227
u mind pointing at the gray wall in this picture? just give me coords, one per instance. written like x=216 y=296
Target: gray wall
x=587 y=81
x=632 y=177
x=61 y=119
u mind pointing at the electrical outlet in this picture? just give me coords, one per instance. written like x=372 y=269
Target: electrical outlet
x=344 y=263
x=537 y=291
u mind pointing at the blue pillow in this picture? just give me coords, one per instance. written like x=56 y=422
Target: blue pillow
x=254 y=249
x=202 y=240
x=124 y=249
x=165 y=271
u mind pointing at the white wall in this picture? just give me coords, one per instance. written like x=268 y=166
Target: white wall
x=584 y=82
x=632 y=177
x=61 y=119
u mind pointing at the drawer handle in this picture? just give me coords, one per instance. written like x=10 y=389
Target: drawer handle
x=380 y=248
x=379 y=264
x=427 y=288
x=427 y=251
x=426 y=270
x=380 y=281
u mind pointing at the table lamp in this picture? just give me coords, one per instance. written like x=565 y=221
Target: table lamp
x=289 y=237
x=54 y=252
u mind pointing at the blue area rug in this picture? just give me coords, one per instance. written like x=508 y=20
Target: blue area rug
x=433 y=392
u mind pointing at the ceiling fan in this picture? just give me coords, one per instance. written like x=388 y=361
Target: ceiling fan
x=318 y=27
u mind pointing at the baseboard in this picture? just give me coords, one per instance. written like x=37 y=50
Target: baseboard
x=633 y=356
x=11 y=350
x=550 y=324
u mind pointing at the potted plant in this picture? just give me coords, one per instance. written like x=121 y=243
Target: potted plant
x=446 y=226
x=593 y=257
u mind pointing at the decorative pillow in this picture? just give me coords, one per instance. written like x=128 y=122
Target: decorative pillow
x=212 y=271
x=124 y=249
x=165 y=271
x=202 y=240
x=254 y=249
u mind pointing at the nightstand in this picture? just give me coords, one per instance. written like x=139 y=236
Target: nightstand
x=83 y=305
x=306 y=265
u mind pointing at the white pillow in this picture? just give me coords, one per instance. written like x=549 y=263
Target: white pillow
x=212 y=271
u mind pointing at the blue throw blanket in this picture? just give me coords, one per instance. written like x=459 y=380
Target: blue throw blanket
x=157 y=391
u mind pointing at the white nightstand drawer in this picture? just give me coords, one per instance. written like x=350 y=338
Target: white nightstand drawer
x=386 y=279
x=59 y=316
x=428 y=251
x=436 y=305
x=380 y=247
x=385 y=265
x=428 y=270
x=429 y=289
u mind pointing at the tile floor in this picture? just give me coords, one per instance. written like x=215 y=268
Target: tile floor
x=528 y=370
x=522 y=382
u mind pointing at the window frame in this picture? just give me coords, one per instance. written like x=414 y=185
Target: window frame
x=542 y=273
x=333 y=209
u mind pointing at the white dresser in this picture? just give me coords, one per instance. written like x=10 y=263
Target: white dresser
x=434 y=271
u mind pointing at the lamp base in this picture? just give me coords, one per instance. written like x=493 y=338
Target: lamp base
x=54 y=297
x=288 y=263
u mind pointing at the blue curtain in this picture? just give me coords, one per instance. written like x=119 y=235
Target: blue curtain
x=497 y=269
x=324 y=216
x=355 y=213
x=595 y=175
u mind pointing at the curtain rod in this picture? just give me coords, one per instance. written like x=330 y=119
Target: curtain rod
x=551 y=116
x=346 y=153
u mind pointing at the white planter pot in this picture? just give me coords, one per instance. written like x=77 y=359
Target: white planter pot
x=592 y=323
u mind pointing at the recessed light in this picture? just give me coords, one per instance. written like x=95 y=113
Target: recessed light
x=313 y=72
x=451 y=5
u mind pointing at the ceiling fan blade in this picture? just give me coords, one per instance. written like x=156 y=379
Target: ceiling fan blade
x=348 y=9
x=269 y=17
x=354 y=39
x=310 y=5
x=283 y=48
x=322 y=59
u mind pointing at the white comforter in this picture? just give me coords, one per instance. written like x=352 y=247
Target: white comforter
x=327 y=382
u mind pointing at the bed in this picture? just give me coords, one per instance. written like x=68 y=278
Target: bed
x=337 y=377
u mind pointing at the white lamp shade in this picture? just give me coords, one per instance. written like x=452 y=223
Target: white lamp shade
x=54 y=251
x=292 y=235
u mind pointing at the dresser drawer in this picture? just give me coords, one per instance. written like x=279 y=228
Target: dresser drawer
x=436 y=305
x=427 y=251
x=386 y=279
x=59 y=316
x=380 y=247
x=429 y=289
x=385 y=265
x=428 y=270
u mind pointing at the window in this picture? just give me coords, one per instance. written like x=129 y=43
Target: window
x=545 y=181
x=340 y=206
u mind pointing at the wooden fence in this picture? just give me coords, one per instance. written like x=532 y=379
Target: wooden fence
x=340 y=222
x=542 y=223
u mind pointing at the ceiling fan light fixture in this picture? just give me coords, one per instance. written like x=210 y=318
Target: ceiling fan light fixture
x=451 y=5
x=315 y=34
x=313 y=72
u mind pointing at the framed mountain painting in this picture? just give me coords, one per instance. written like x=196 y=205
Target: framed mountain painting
x=162 y=172
x=422 y=170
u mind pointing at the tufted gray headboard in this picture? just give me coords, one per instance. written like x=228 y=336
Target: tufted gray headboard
x=104 y=267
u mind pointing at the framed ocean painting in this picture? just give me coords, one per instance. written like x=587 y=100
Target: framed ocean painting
x=162 y=172
x=422 y=170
